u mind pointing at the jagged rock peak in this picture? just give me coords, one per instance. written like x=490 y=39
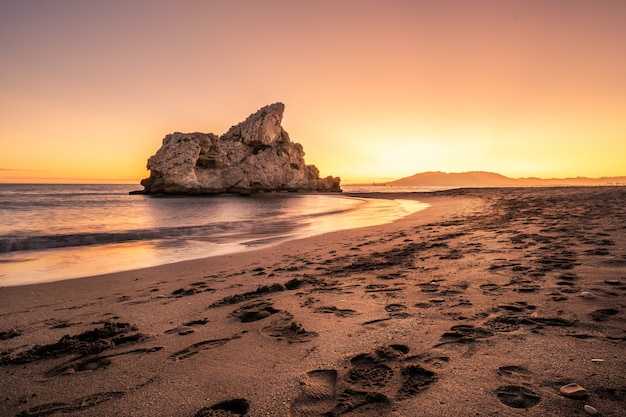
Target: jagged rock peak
x=255 y=155
x=263 y=127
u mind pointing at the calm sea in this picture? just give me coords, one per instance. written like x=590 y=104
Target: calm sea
x=53 y=232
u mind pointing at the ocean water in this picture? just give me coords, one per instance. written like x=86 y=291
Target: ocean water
x=54 y=232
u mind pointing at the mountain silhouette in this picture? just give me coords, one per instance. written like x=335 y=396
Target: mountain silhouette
x=491 y=179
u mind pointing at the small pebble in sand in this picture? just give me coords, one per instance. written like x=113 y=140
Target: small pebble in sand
x=590 y=410
x=574 y=391
x=588 y=295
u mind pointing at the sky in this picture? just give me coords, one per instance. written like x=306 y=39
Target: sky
x=374 y=90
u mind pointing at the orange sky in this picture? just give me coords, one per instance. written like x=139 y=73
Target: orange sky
x=373 y=90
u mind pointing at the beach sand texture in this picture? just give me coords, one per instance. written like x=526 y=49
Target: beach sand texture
x=484 y=304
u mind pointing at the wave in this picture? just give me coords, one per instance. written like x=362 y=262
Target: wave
x=240 y=230
x=213 y=232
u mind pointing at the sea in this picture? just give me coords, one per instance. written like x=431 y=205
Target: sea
x=51 y=232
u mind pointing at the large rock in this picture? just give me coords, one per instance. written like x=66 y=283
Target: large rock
x=254 y=156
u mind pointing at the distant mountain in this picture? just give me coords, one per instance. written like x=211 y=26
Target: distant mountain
x=491 y=179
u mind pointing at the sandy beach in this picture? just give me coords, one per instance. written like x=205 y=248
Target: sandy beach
x=485 y=304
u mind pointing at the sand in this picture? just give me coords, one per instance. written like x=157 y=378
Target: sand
x=485 y=304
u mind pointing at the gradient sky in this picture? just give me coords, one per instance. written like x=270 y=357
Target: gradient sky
x=374 y=90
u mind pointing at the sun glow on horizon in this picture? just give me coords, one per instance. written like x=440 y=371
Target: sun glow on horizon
x=382 y=90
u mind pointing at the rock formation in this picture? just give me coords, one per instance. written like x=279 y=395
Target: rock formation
x=254 y=156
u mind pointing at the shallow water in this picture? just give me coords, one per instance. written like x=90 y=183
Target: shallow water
x=54 y=232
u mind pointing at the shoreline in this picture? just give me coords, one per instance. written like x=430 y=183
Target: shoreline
x=196 y=265
x=82 y=254
x=484 y=303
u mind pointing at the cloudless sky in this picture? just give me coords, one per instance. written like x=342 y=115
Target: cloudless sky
x=374 y=90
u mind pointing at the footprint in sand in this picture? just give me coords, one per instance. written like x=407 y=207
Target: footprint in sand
x=397 y=310
x=229 y=408
x=514 y=374
x=518 y=314
x=10 y=334
x=318 y=394
x=392 y=352
x=340 y=312
x=181 y=331
x=77 y=405
x=504 y=323
x=493 y=289
x=516 y=396
x=186 y=328
x=517 y=393
x=603 y=314
x=368 y=385
x=284 y=328
x=250 y=295
x=568 y=276
x=362 y=402
x=110 y=336
x=88 y=364
x=94 y=362
x=368 y=371
x=254 y=311
x=198 y=347
x=415 y=379
x=429 y=287
x=528 y=288
x=464 y=333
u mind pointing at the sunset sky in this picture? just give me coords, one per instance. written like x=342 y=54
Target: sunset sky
x=374 y=90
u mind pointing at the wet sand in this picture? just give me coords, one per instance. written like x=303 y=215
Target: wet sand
x=484 y=304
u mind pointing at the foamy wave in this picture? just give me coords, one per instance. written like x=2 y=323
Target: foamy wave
x=218 y=231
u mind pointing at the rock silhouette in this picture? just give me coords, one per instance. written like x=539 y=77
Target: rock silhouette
x=255 y=155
